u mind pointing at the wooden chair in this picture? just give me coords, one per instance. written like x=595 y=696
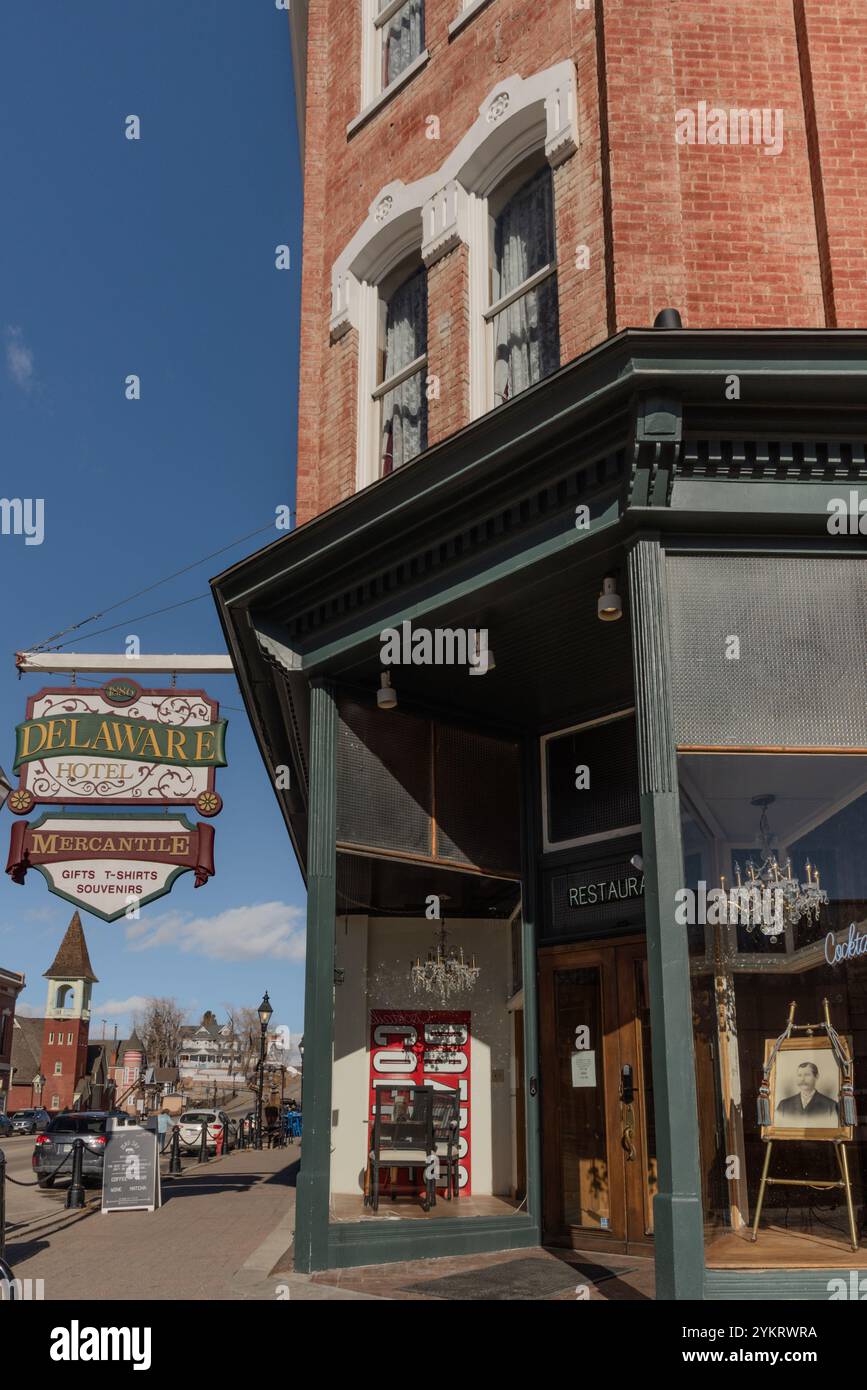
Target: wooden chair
x=403 y=1137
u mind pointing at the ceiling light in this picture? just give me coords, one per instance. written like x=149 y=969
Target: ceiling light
x=610 y=605
x=386 y=695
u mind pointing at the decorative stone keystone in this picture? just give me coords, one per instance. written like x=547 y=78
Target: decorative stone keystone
x=344 y=299
x=561 y=112
x=444 y=222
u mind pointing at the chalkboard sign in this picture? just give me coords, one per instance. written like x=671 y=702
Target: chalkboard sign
x=131 y=1174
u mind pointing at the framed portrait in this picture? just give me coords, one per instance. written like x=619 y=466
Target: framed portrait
x=804 y=1090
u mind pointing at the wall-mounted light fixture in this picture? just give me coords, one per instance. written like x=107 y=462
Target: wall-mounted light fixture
x=610 y=605
x=483 y=656
x=386 y=695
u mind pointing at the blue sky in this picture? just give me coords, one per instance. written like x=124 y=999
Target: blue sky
x=153 y=257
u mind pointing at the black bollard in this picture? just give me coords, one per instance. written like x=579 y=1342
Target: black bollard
x=2 y=1205
x=75 y=1191
x=175 y=1160
x=203 y=1148
x=239 y=1141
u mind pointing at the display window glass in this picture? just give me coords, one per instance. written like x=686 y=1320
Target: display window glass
x=427 y=1086
x=775 y=906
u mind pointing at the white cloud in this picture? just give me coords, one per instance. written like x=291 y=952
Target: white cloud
x=24 y=1010
x=239 y=933
x=136 y=1003
x=19 y=358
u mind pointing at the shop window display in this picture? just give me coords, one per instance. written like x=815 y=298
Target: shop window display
x=425 y=1015
x=775 y=905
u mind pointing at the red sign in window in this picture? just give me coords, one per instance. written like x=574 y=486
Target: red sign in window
x=425 y=1048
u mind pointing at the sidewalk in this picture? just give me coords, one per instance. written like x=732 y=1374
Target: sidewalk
x=214 y=1218
x=534 y=1275
x=224 y=1233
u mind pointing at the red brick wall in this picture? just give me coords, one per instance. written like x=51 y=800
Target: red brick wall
x=833 y=44
x=729 y=235
x=7 y=1001
x=448 y=344
x=72 y=1057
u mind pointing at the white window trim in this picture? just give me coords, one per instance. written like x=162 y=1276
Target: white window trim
x=470 y=9
x=370 y=392
x=398 y=378
x=438 y=213
x=520 y=290
x=551 y=847
x=373 y=94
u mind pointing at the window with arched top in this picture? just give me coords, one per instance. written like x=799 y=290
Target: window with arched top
x=494 y=195
x=522 y=316
x=64 y=997
x=400 y=392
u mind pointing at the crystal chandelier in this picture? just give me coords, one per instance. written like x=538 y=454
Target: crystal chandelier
x=445 y=972
x=793 y=900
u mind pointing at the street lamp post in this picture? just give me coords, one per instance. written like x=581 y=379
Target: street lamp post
x=264 y=1011
x=38 y=1083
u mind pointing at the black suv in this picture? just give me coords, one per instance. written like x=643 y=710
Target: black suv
x=56 y=1144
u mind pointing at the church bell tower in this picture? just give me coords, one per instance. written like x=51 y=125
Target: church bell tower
x=67 y=1019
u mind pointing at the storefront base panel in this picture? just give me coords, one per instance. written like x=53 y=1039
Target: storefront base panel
x=774 y=1285
x=356 y=1244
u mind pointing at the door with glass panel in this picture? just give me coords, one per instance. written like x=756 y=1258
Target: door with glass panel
x=599 y=1156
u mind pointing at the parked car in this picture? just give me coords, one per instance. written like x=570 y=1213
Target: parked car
x=190 y=1125
x=5 y=1125
x=30 y=1121
x=56 y=1143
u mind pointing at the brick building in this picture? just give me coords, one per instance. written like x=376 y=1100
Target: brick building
x=11 y=985
x=53 y=1062
x=581 y=414
x=733 y=236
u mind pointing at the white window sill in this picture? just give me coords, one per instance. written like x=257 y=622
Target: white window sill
x=466 y=15
x=384 y=97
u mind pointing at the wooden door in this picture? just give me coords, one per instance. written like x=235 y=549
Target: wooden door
x=599 y=1171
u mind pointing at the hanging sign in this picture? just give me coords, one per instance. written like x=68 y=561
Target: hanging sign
x=119 y=745
x=111 y=865
x=424 y=1048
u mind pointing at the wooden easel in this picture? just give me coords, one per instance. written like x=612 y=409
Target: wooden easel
x=839 y=1148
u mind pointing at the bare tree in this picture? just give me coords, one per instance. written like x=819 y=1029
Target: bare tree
x=244 y=1035
x=159 y=1027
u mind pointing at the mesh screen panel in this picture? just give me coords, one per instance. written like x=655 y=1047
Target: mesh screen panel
x=800 y=681
x=610 y=802
x=478 y=799
x=383 y=779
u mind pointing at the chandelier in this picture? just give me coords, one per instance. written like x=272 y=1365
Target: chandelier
x=793 y=901
x=445 y=972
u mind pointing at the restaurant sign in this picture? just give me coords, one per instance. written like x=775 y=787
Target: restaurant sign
x=111 y=865
x=119 y=745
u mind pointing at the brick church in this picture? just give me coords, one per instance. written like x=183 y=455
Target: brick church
x=54 y=1063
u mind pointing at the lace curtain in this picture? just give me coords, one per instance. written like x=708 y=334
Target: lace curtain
x=404 y=410
x=403 y=39
x=527 y=334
